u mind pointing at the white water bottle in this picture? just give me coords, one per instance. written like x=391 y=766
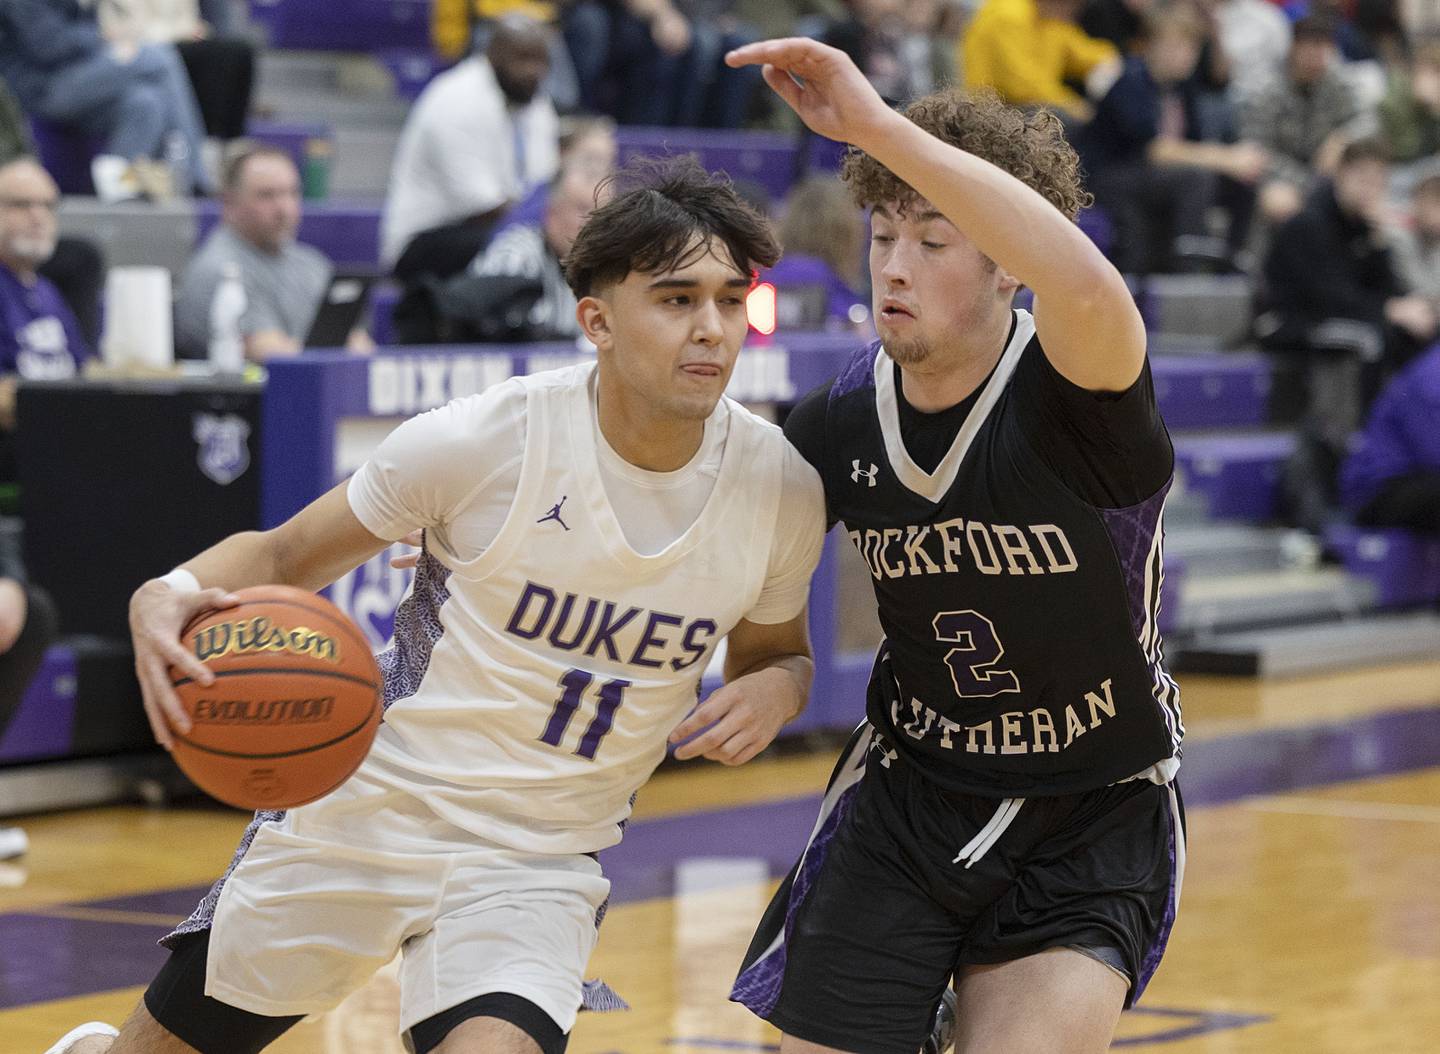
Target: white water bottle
x=227 y=346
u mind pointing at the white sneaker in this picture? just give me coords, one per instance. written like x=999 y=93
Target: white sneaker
x=75 y=1035
x=13 y=843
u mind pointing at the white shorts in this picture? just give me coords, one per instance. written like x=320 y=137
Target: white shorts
x=315 y=908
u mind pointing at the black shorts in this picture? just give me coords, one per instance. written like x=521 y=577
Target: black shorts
x=904 y=883
x=177 y=1000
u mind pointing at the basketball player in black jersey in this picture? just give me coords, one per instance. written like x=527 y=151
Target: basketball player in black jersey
x=1006 y=820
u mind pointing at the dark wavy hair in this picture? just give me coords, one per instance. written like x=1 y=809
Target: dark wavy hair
x=663 y=216
x=1030 y=145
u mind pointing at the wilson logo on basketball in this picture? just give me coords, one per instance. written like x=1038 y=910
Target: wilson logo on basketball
x=260 y=634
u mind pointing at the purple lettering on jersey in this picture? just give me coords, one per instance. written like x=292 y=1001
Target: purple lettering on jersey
x=611 y=695
x=522 y=608
x=697 y=649
x=574 y=682
x=605 y=632
x=563 y=619
x=648 y=639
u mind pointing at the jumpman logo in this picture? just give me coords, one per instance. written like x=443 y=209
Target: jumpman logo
x=554 y=513
x=859 y=472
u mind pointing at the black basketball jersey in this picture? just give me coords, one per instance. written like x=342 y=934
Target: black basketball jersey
x=1021 y=653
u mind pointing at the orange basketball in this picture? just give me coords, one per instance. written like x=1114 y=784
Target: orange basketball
x=294 y=706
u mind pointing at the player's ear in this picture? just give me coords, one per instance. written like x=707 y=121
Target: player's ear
x=1008 y=282
x=593 y=314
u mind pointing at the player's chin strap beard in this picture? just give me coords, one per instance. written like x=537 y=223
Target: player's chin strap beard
x=988 y=835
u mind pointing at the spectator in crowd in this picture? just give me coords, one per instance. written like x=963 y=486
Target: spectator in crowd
x=284 y=280
x=478 y=139
x=587 y=144
x=1410 y=114
x=660 y=62
x=39 y=337
x=1148 y=171
x=1255 y=37
x=824 y=236
x=1392 y=475
x=1302 y=118
x=134 y=97
x=896 y=45
x=515 y=290
x=459 y=27
x=1331 y=262
x=1331 y=292
x=1032 y=51
x=77 y=267
x=1117 y=21
x=1370 y=30
x=27 y=626
x=1210 y=112
x=1417 y=248
x=221 y=67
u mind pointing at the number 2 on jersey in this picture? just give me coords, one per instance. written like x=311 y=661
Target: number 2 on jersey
x=574 y=683
x=972 y=660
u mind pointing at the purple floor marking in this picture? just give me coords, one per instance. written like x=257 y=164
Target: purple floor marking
x=87 y=956
x=44 y=958
x=1202 y=1023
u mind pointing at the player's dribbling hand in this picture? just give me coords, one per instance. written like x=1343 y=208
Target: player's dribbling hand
x=157 y=615
x=740 y=719
x=831 y=96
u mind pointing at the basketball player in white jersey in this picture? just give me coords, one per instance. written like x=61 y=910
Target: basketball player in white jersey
x=591 y=535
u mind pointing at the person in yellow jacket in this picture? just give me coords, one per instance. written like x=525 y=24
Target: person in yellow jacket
x=1030 y=51
x=452 y=22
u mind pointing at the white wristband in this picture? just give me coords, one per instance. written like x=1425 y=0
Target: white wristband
x=181 y=580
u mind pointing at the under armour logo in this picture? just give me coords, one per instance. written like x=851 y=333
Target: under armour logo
x=870 y=475
x=554 y=513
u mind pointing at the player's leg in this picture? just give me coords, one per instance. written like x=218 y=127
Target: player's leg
x=859 y=950
x=510 y=1025
x=1059 y=1001
x=488 y=1036
x=141 y=1032
x=502 y=968
x=1082 y=928
x=177 y=998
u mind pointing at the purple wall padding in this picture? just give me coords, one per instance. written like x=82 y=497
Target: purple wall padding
x=1239 y=475
x=1404 y=566
x=42 y=726
x=344 y=25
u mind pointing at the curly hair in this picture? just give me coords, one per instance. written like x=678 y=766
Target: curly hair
x=1031 y=146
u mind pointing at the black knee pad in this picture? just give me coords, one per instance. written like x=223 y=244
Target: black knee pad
x=517 y=1010
x=177 y=1000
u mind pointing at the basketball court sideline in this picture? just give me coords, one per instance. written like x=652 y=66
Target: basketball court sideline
x=1309 y=920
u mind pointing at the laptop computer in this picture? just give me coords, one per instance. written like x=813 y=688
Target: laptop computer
x=340 y=309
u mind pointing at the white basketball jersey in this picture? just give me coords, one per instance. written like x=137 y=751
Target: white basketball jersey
x=532 y=686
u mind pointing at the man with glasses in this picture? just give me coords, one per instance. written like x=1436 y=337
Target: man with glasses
x=39 y=337
x=39 y=340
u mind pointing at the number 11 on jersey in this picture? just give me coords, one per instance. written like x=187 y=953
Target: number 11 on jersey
x=574 y=683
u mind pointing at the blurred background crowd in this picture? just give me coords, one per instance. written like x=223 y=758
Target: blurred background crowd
x=378 y=172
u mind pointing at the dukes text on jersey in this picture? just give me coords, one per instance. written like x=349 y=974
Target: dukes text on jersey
x=600 y=628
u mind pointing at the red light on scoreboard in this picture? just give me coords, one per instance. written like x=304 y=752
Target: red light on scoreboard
x=760 y=308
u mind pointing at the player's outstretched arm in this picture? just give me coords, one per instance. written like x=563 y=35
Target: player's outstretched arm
x=310 y=550
x=768 y=669
x=1086 y=317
